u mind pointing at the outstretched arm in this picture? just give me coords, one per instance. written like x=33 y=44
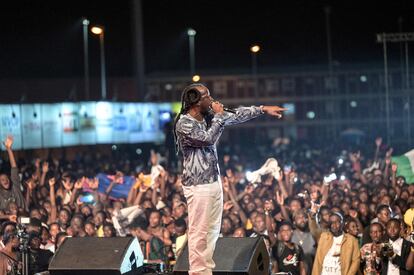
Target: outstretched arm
x=8 y=144
x=244 y=114
x=14 y=173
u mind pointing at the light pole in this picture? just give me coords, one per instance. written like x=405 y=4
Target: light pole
x=327 y=10
x=98 y=30
x=191 y=43
x=85 y=23
x=255 y=50
x=395 y=37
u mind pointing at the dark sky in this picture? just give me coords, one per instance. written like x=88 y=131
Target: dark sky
x=44 y=38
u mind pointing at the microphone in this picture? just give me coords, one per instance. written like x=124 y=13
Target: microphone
x=229 y=110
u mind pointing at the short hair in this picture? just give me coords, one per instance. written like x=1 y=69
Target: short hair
x=54 y=223
x=180 y=223
x=4 y=225
x=383 y=207
x=298 y=212
x=139 y=222
x=111 y=226
x=35 y=222
x=287 y=223
x=154 y=210
x=394 y=220
x=377 y=224
x=7 y=237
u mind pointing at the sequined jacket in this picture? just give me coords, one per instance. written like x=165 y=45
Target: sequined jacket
x=198 y=143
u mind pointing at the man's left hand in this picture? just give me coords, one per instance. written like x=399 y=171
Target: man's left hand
x=274 y=110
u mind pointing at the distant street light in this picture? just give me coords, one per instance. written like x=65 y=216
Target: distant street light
x=255 y=48
x=191 y=41
x=98 y=30
x=196 y=78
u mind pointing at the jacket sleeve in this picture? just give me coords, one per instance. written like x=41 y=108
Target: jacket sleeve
x=314 y=228
x=193 y=135
x=242 y=114
x=317 y=263
x=356 y=257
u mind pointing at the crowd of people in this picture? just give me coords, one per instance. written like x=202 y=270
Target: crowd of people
x=324 y=212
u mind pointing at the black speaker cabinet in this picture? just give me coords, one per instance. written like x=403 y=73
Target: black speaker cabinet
x=92 y=255
x=247 y=256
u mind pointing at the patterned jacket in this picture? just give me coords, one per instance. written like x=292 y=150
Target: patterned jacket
x=198 y=144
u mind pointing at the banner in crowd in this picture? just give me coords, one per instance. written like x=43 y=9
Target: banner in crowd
x=405 y=165
x=83 y=123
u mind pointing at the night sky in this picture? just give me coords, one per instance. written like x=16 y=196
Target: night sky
x=44 y=38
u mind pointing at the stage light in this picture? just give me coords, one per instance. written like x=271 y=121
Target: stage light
x=85 y=22
x=138 y=151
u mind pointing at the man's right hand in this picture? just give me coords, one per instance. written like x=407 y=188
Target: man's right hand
x=217 y=107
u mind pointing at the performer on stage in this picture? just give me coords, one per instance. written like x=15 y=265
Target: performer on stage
x=197 y=129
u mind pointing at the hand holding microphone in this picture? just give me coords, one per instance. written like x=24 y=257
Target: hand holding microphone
x=217 y=107
x=228 y=110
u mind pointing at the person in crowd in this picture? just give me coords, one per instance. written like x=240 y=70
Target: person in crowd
x=337 y=252
x=50 y=191
x=303 y=237
x=286 y=255
x=371 y=252
x=9 y=260
x=398 y=253
x=10 y=186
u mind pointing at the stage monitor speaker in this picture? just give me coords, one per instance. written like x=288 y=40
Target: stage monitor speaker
x=247 y=256
x=93 y=255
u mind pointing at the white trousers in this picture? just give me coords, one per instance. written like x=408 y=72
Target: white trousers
x=205 y=209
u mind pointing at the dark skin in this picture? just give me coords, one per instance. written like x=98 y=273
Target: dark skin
x=393 y=232
x=352 y=228
x=376 y=232
x=336 y=225
x=285 y=235
x=384 y=216
x=4 y=179
x=10 y=250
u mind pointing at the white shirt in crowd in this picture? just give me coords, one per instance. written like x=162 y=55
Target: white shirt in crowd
x=331 y=263
x=397 y=246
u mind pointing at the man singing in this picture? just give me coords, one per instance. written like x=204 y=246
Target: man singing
x=197 y=129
